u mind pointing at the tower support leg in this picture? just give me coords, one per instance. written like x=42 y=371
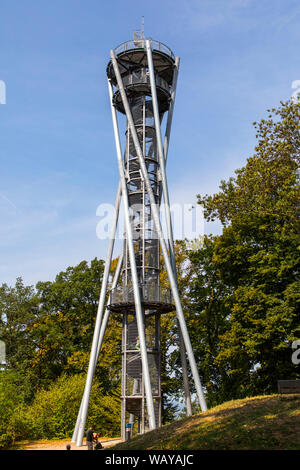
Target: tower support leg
x=94 y=349
x=187 y=393
x=171 y=109
x=157 y=223
x=162 y=160
x=101 y=336
x=136 y=290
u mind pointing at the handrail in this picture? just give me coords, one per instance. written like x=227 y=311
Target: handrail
x=142 y=77
x=140 y=43
x=125 y=294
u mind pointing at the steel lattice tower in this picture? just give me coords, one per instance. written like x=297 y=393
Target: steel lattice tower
x=142 y=78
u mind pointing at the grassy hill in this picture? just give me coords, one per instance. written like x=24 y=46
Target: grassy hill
x=265 y=422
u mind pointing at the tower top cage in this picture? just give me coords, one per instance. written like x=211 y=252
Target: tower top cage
x=133 y=66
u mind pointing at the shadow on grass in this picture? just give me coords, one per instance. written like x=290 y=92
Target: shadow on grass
x=271 y=422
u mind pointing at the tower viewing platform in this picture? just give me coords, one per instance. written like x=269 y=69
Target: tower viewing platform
x=133 y=67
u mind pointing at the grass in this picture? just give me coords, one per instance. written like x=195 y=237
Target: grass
x=21 y=445
x=264 y=422
x=49 y=444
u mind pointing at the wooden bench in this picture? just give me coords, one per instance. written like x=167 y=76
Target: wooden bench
x=288 y=386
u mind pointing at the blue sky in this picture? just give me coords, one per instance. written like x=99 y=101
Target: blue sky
x=58 y=163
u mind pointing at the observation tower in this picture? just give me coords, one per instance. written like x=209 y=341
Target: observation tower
x=142 y=78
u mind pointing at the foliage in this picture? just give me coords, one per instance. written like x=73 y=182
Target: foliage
x=18 y=307
x=257 y=259
x=10 y=401
x=75 y=292
x=48 y=332
x=208 y=307
x=69 y=304
x=239 y=291
x=171 y=370
x=53 y=412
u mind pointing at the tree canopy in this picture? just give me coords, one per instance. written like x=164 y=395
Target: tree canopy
x=256 y=259
x=240 y=294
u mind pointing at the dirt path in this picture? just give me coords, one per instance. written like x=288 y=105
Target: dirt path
x=61 y=445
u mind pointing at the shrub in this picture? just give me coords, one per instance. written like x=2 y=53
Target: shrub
x=10 y=401
x=53 y=412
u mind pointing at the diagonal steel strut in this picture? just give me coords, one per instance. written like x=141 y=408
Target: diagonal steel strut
x=157 y=223
x=95 y=342
x=137 y=296
x=162 y=153
x=100 y=342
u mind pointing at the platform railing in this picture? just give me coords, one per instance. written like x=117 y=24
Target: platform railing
x=140 y=44
x=141 y=77
x=156 y=294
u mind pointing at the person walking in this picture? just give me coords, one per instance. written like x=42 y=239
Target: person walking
x=90 y=437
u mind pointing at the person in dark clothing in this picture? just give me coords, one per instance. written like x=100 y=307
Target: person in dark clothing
x=98 y=445
x=90 y=437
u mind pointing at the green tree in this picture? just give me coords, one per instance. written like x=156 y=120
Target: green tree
x=66 y=325
x=53 y=411
x=257 y=257
x=74 y=293
x=204 y=298
x=208 y=307
x=10 y=400
x=48 y=334
x=171 y=370
x=18 y=309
